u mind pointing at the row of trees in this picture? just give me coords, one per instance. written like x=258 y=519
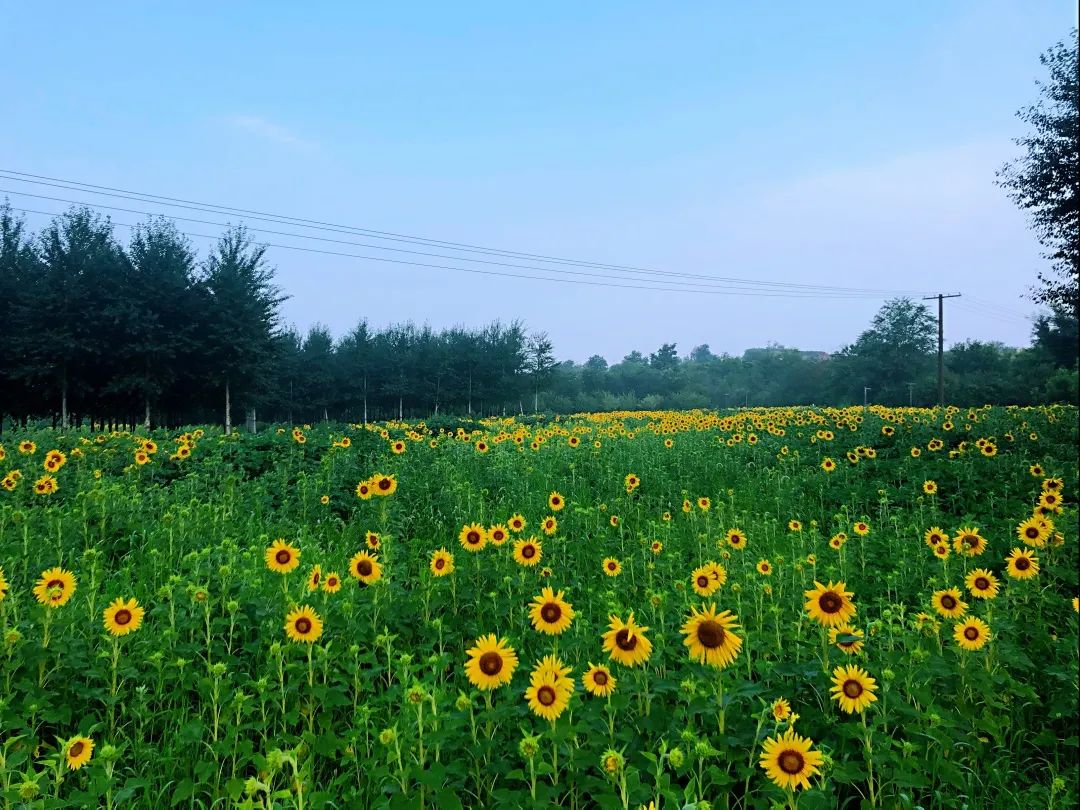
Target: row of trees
x=147 y=333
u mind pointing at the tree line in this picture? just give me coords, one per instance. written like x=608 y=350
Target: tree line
x=96 y=332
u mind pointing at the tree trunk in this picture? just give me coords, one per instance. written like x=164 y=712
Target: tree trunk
x=228 y=410
x=399 y=406
x=251 y=423
x=470 y=393
x=63 y=401
x=146 y=420
x=536 y=400
x=365 y=399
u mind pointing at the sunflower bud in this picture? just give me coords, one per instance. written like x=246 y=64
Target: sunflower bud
x=529 y=747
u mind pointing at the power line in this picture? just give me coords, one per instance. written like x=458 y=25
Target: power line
x=109 y=191
x=840 y=292
x=707 y=291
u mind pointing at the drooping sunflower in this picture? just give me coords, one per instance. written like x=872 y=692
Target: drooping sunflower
x=442 y=563
x=498 y=534
x=550 y=613
x=122 y=617
x=710 y=636
x=77 y=752
x=550 y=525
x=847 y=638
x=736 y=538
x=948 y=603
x=517 y=523
x=612 y=567
x=528 y=552
x=303 y=625
x=332 y=582
x=1032 y=533
x=472 y=537
x=491 y=662
x=982 y=584
x=282 y=557
x=972 y=633
x=365 y=568
x=556 y=502
x=598 y=680
x=703 y=582
x=853 y=689
x=1022 y=564
x=969 y=542
x=935 y=536
x=789 y=761
x=314 y=579
x=55 y=587
x=627 y=643
x=829 y=605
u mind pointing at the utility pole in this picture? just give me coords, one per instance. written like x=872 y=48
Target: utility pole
x=941 y=342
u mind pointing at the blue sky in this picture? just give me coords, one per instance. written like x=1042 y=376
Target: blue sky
x=847 y=144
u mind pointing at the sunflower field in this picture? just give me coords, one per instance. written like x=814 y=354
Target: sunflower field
x=809 y=607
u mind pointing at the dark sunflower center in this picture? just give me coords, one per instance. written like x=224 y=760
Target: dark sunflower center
x=1022 y=563
x=545 y=695
x=852 y=689
x=363 y=568
x=55 y=583
x=528 y=552
x=1031 y=532
x=550 y=612
x=122 y=617
x=600 y=678
x=303 y=625
x=971 y=541
x=491 y=663
x=77 y=748
x=703 y=581
x=830 y=602
x=982 y=584
x=315 y=577
x=948 y=602
x=440 y=564
x=282 y=557
x=790 y=761
x=472 y=538
x=624 y=640
x=711 y=634
x=384 y=483
x=497 y=536
x=971 y=633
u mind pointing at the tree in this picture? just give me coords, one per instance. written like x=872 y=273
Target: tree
x=1045 y=181
x=540 y=363
x=1057 y=334
x=892 y=353
x=665 y=358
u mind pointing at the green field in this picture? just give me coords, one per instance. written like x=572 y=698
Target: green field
x=228 y=693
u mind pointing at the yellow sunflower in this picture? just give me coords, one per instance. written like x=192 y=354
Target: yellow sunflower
x=1022 y=564
x=598 y=680
x=935 y=536
x=982 y=584
x=364 y=490
x=314 y=579
x=861 y=528
x=948 y=603
x=282 y=557
x=549 y=689
x=55 y=587
x=383 y=484
x=929 y=487
x=46 y=485
x=550 y=613
x=780 y=710
x=1032 y=533
x=528 y=552
x=764 y=567
x=847 y=638
x=442 y=563
x=836 y=542
x=123 y=617
x=332 y=582
x=853 y=689
x=498 y=534
x=303 y=624
x=472 y=537
x=550 y=525
x=627 y=643
x=612 y=567
x=703 y=581
x=77 y=752
x=711 y=637
x=491 y=663
x=972 y=633
x=794 y=525
x=365 y=567
x=828 y=465
x=517 y=523
x=556 y=502
x=3 y=584
x=736 y=538
x=789 y=761
x=969 y=542
x=829 y=605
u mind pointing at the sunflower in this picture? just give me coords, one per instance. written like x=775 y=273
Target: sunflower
x=829 y=605
x=55 y=587
x=365 y=567
x=764 y=567
x=794 y=526
x=332 y=582
x=1053 y=485
x=122 y=617
x=687 y=506
x=528 y=552
x=915 y=452
x=935 y=536
x=46 y=485
x=383 y=484
x=364 y=490
x=627 y=643
x=472 y=537
x=828 y=465
x=27 y=448
x=303 y=625
x=614 y=520
x=54 y=460
x=550 y=525
x=972 y=633
x=704 y=504
x=789 y=761
x=77 y=752
x=612 y=567
x=282 y=557
x=969 y=542
x=397 y=448
x=517 y=523
x=3 y=584
x=631 y=482
x=852 y=456
x=314 y=579
x=942 y=552
x=989 y=450
x=780 y=710
x=491 y=663
x=481 y=446
x=861 y=528
x=735 y=538
x=669 y=443
x=703 y=582
x=442 y=563
x=556 y=502
x=656 y=547
x=929 y=487
x=372 y=540
x=549 y=689
x=837 y=541
x=711 y=637
x=948 y=603
x=982 y=584
x=847 y=638
x=1032 y=533
x=1022 y=564
x=598 y=680
x=853 y=689
x=550 y=613
x=573 y=441
x=324 y=499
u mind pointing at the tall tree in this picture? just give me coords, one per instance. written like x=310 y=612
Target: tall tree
x=540 y=363
x=1045 y=180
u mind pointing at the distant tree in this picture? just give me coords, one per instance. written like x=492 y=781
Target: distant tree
x=665 y=358
x=593 y=374
x=18 y=266
x=1045 y=181
x=540 y=363
x=317 y=371
x=1057 y=334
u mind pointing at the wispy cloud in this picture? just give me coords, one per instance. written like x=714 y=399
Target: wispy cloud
x=268 y=130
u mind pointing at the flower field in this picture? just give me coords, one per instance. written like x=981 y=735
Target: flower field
x=774 y=607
